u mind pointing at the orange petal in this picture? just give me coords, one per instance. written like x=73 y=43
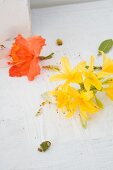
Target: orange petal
x=19 y=70
x=35 y=45
x=34 y=69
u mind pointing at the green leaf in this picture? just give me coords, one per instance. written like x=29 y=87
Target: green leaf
x=106 y=45
x=44 y=146
x=99 y=103
x=46 y=57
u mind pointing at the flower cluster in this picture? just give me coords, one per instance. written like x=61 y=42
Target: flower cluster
x=89 y=79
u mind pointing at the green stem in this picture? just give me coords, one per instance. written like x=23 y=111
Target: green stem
x=46 y=57
x=51 y=67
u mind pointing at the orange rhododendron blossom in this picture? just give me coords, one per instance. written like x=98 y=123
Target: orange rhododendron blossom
x=25 y=56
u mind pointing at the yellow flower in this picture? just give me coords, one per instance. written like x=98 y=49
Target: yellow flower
x=91 y=78
x=69 y=74
x=85 y=104
x=64 y=95
x=68 y=99
x=107 y=68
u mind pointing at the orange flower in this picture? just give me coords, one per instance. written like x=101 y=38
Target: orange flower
x=25 y=56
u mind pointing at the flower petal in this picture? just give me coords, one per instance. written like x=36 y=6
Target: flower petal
x=65 y=64
x=83 y=113
x=87 y=95
x=74 y=77
x=69 y=114
x=107 y=63
x=102 y=74
x=58 y=77
x=80 y=66
x=34 y=69
x=95 y=82
x=109 y=92
x=91 y=63
x=35 y=44
x=87 y=84
x=19 y=69
x=91 y=107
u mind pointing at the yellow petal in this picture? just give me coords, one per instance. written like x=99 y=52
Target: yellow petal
x=91 y=107
x=87 y=95
x=80 y=67
x=91 y=79
x=75 y=77
x=71 y=108
x=87 y=84
x=108 y=68
x=65 y=64
x=70 y=114
x=91 y=63
x=107 y=63
x=102 y=74
x=109 y=92
x=95 y=82
x=83 y=113
x=58 y=77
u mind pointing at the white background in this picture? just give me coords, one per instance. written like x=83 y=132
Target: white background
x=82 y=27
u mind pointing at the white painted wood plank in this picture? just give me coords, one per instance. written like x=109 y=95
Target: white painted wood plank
x=48 y=3
x=14 y=19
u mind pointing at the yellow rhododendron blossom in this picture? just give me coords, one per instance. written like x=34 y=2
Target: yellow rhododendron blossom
x=68 y=99
x=65 y=95
x=91 y=78
x=69 y=74
x=85 y=104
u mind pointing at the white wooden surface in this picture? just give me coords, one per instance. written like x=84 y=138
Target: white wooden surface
x=14 y=19
x=82 y=27
x=48 y=3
